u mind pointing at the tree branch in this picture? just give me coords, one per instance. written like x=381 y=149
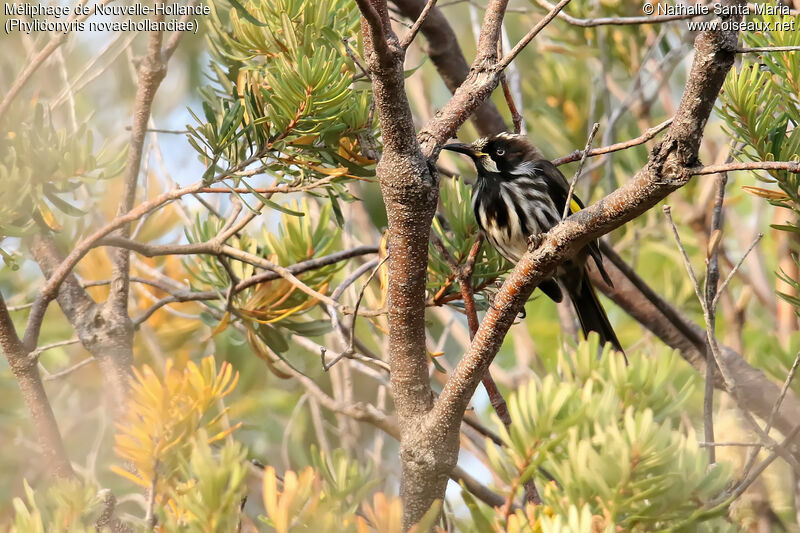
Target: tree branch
x=376 y=23
x=91 y=321
x=36 y=63
x=641 y=139
x=491 y=29
x=668 y=169
x=483 y=79
x=30 y=385
x=711 y=288
x=151 y=71
x=555 y=10
x=412 y=33
x=63 y=270
x=448 y=58
x=615 y=21
x=789 y=166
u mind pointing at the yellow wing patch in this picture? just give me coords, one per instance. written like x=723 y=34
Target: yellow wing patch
x=574 y=206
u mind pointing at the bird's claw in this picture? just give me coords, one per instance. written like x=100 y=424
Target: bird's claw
x=490 y=299
x=535 y=241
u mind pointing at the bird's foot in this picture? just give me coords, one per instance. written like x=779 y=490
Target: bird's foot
x=535 y=241
x=490 y=299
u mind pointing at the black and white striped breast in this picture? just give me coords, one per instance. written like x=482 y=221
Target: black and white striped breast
x=510 y=211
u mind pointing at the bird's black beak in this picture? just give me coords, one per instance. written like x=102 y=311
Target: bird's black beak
x=460 y=148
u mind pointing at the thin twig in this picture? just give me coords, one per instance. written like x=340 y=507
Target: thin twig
x=751 y=459
x=577 y=175
x=789 y=166
x=284 y=189
x=281 y=271
x=555 y=10
x=361 y=297
x=175 y=38
x=641 y=139
x=352 y=55
x=737 y=266
x=20 y=307
x=162 y=130
x=149 y=517
x=712 y=279
x=616 y=21
x=720 y=444
x=686 y=261
x=499 y=404
x=760 y=49
x=516 y=118
x=234 y=280
x=50 y=289
x=78 y=83
x=350 y=349
x=749 y=479
x=42 y=349
x=784 y=390
x=70 y=370
x=337 y=293
x=37 y=62
x=412 y=33
x=730 y=384
x=181 y=294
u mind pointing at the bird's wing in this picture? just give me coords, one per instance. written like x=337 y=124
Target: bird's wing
x=558 y=188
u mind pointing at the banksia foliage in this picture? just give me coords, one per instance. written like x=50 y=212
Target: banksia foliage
x=273 y=309
x=760 y=107
x=68 y=505
x=309 y=500
x=41 y=168
x=209 y=499
x=607 y=434
x=164 y=415
x=284 y=93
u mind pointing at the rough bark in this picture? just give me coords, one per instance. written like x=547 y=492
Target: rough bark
x=429 y=432
x=668 y=169
x=97 y=332
x=409 y=185
x=23 y=365
x=450 y=63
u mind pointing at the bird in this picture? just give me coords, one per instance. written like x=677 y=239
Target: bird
x=518 y=196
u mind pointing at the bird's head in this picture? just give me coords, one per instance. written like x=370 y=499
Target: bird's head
x=498 y=155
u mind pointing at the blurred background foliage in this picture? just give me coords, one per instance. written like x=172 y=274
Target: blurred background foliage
x=270 y=109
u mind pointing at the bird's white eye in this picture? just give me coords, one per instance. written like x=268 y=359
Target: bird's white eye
x=500 y=151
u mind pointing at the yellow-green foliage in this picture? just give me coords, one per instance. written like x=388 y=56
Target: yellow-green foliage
x=608 y=434
x=306 y=501
x=164 y=415
x=68 y=506
x=296 y=61
x=284 y=89
x=761 y=109
x=209 y=499
x=39 y=164
x=273 y=308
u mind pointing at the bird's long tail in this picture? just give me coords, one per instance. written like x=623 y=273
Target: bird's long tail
x=591 y=314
